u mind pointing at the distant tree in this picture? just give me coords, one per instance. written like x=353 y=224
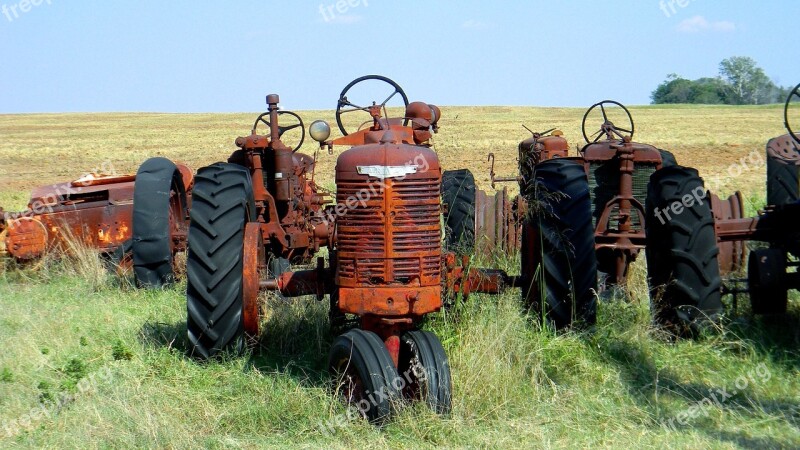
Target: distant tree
x=748 y=84
x=740 y=82
x=674 y=90
x=680 y=90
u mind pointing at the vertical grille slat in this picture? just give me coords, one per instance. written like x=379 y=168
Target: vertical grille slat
x=604 y=186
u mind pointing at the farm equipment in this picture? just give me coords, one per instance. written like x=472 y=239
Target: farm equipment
x=383 y=234
x=771 y=270
x=577 y=217
x=138 y=218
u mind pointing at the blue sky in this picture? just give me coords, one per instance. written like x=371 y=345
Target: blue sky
x=214 y=56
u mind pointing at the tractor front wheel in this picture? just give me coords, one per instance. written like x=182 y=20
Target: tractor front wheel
x=364 y=374
x=425 y=370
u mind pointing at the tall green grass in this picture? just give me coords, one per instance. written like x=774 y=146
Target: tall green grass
x=515 y=383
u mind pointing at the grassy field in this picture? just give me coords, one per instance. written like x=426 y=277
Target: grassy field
x=88 y=361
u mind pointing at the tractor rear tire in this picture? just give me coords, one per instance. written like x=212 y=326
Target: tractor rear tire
x=667 y=159
x=559 y=261
x=364 y=372
x=222 y=204
x=458 y=197
x=424 y=366
x=682 y=252
x=159 y=204
x=783 y=184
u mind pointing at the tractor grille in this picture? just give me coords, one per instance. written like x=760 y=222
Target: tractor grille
x=604 y=186
x=393 y=232
x=361 y=229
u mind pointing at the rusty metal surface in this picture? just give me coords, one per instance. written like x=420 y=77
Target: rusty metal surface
x=26 y=238
x=618 y=204
x=253 y=262
x=468 y=280
x=619 y=228
x=388 y=233
x=93 y=211
x=288 y=202
x=784 y=147
x=498 y=222
x=63 y=215
x=732 y=254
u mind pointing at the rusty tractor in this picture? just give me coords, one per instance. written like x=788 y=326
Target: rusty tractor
x=771 y=269
x=386 y=267
x=577 y=217
x=138 y=220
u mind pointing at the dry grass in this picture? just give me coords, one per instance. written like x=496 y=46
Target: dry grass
x=46 y=148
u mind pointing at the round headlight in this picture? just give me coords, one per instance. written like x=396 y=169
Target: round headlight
x=319 y=130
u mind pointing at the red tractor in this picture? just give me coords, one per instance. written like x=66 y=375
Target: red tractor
x=136 y=219
x=578 y=217
x=386 y=267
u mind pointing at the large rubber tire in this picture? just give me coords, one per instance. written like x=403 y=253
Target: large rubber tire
x=158 y=185
x=277 y=266
x=363 y=370
x=222 y=204
x=117 y=260
x=783 y=184
x=425 y=369
x=559 y=262
x=683 y=270
x=458 y=197
x=667 y=159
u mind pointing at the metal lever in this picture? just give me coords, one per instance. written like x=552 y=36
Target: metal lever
x=496 y=179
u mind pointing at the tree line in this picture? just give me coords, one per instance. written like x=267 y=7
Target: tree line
x=740 y=82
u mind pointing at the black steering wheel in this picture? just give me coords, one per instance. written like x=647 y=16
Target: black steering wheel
x=607 y=128
x=789 y=101
x=264 y=118
x=344 y=105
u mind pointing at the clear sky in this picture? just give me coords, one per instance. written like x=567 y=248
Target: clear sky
x=218 y=56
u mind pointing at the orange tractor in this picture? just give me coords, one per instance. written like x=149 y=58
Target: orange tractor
x=385 y=264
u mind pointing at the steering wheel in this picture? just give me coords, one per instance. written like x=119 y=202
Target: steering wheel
x=795 y=93
x=607 y=128
x=344 y=105
x=264 y=118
